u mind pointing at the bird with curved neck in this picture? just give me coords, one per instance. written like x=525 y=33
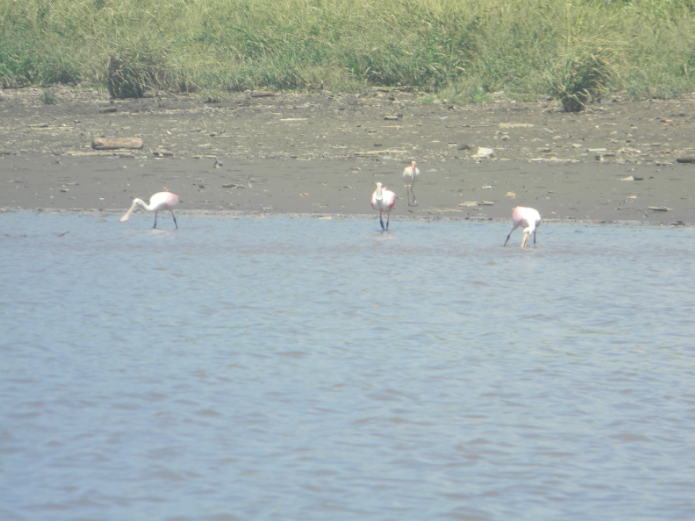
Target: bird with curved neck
x=383 y=200
x=529 y=219
x=158 y=202
x=410 y=175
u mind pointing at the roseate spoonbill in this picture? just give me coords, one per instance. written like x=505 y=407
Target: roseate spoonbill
x=410 y=175
x=383 y=200
x=158 y=202
x=529 y=219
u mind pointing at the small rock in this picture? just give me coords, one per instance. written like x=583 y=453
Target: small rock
x=483 y=152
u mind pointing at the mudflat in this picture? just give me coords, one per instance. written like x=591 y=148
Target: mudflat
x=321 y=153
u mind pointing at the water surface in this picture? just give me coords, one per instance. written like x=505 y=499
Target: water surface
x=319 y=369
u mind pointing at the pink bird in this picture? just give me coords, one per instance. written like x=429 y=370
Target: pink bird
x=158 y=202
x=410 y=175
x=383 y=200
x=529 y=219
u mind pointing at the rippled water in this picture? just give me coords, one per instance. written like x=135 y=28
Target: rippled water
x=318 y=369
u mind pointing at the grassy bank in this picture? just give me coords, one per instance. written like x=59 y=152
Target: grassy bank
x=462 y=51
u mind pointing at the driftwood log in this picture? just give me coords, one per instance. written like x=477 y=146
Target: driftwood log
x=113 y=143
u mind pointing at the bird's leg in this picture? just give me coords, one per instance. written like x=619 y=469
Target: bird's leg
x=172 y=214
x=407 y=193
x=381 y=220
x=534 y=239
x=388 y=220
x=155 y=220
x=510 y=234
x=414 y=201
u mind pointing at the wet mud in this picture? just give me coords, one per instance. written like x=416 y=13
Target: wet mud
x=321 y=153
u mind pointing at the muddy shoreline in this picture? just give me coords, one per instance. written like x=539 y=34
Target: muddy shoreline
x=320 y=153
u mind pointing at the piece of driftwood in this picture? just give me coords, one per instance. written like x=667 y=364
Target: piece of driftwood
x=112 y=108
x=686 y=159
x=113 y=143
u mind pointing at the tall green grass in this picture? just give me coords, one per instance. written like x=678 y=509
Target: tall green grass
x=574 y=51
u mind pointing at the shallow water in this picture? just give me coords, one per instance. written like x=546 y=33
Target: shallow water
x=319 y=369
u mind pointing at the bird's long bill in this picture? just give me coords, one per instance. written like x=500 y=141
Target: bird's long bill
x=127 y=215
x=524 y=241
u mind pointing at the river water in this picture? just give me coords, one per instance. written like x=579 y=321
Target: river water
x=307 y=369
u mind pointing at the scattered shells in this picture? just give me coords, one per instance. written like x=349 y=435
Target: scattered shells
x=515 y=125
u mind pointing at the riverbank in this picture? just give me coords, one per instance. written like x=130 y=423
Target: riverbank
x=320 y=153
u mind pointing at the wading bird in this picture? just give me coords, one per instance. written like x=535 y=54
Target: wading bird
x=529 y=219
x=158 y=202
x=410 y=175
x=383 y=200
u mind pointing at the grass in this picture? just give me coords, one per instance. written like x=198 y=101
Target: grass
x=48 y=97
x=447 y=49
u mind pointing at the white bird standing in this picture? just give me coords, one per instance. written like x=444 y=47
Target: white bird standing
x=383 y=200
x=158 y=202
x=529 y=219
x=410 y=175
